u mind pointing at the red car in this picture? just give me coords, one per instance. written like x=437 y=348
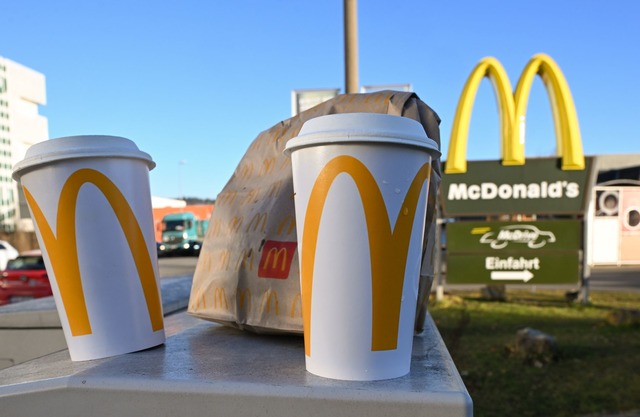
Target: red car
x=24 y=278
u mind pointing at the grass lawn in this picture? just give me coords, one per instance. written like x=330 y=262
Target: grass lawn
x=597 y=370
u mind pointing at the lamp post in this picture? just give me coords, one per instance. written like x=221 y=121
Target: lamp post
x=180 y=164
x=351 y=45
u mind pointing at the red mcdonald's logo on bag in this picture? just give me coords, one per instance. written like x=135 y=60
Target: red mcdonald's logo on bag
x=63 y=249
x=388 y=248
x=276 y=259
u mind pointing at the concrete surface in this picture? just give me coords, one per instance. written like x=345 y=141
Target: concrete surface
x=32 y=329
x=207 y=369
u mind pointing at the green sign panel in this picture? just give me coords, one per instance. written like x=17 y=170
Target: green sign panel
x=531 y=269
x=554 y=235
x=537 y=187
x=538 y=252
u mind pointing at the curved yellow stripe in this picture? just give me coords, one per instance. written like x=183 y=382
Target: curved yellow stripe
x=65 y=266
x=388 y=249
x=63 y=250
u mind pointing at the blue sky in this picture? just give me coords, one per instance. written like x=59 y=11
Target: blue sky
x=194 y=82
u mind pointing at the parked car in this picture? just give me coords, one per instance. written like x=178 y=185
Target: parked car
x=24 y=278
x=7 y=252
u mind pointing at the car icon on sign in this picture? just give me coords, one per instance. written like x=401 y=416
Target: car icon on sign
x=525 y=234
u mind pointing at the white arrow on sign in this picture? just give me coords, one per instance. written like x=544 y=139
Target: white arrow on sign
x=524 y=276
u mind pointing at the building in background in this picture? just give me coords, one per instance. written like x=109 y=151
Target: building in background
x=613 y=218
x=22 y=90
x=302 y=100
x=395 y=87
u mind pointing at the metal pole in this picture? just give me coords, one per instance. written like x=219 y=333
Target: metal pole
x=439 y=279
x=351 y=46
x=180 y=164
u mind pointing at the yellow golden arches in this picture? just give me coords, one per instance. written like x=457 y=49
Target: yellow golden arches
x=243 y=301
x=267 y=297
x=289 y=220
x=512 y=113
x=220 y=298
x=245 y=260
x=492 y=69
x=296 y=305
x=199 y=301
x=569 y=141
x=66 y=265
x=388 y=248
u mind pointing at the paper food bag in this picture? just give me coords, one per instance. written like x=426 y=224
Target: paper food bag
x=247 y=274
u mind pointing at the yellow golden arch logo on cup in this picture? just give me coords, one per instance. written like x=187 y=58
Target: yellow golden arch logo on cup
x=388 y=248
x=512 y=108
x=63 y=251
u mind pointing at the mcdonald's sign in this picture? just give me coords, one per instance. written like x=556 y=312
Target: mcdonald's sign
x=276 y=259
x=62 y=248
x=542 y=185
x=512 y=108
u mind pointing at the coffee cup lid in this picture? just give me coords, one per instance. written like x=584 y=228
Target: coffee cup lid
x=74 y=147
x=362 y=127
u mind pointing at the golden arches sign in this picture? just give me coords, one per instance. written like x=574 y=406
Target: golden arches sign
x=512 y=109
x=63 y=250
x=388 y=247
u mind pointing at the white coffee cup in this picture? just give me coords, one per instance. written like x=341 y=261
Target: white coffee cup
x=90 y=200
x=361 y=183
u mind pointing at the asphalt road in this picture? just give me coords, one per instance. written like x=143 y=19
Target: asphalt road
x=177 y=266
x=615 y=278
x=604 y=278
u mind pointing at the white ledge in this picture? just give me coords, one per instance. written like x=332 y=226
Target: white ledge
x=207 y=369
x=32 y=329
